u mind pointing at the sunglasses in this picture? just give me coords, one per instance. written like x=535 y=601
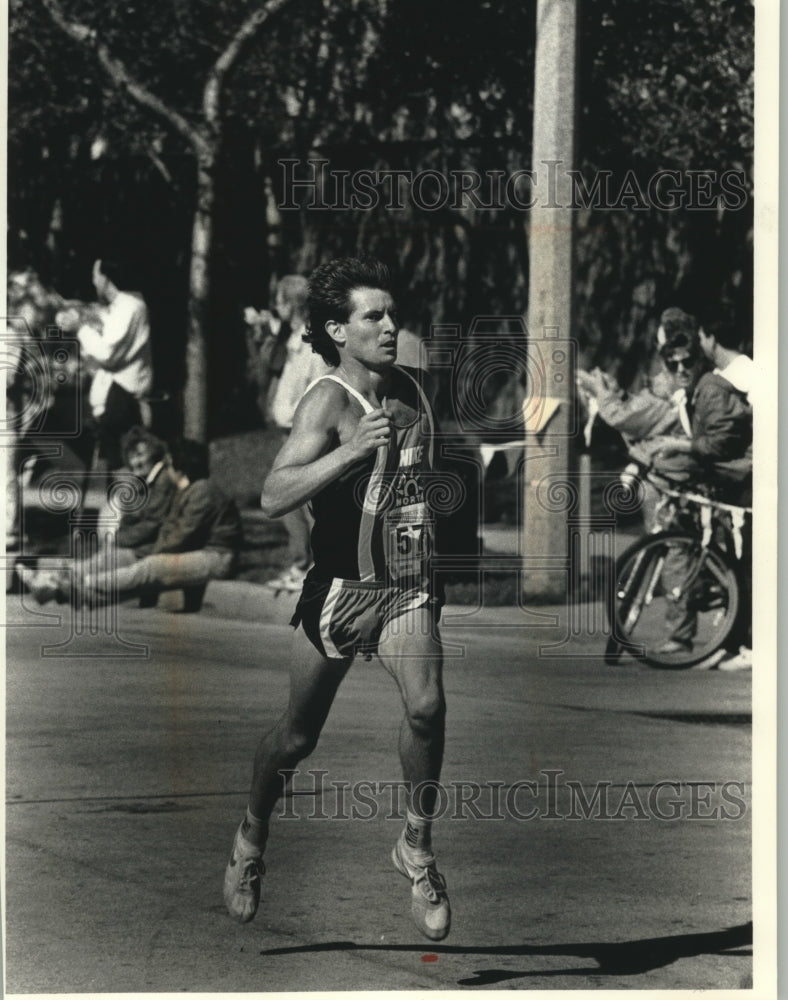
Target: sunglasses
x=672 y=364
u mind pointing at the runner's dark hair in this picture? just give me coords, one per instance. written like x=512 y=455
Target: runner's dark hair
x=329 y=297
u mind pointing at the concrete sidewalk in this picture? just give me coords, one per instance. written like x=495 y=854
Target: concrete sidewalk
x=254 y=602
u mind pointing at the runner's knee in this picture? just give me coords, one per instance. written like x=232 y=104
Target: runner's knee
x=299 y=743
x=425 y=711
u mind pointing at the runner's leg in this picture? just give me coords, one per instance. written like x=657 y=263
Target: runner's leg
x=410 y=649
x=314 y=681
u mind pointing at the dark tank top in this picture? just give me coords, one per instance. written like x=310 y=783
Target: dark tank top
x=374 y=523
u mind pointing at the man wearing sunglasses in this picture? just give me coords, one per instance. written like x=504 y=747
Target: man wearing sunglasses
x=360 y=452
x=715 y=414
x=718 y=449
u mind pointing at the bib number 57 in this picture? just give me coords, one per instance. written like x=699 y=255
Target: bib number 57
x=413 y=540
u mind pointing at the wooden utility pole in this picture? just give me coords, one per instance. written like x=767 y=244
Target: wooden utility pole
x=550 y=480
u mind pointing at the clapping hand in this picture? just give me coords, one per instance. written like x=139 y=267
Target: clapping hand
x=68 y=319
x=593 y=383
x=262 y=321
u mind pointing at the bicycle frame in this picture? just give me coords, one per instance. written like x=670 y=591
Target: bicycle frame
x=707 y=536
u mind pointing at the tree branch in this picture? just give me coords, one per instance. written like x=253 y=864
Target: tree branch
x=122 y=78
x=159 y=164
x=228 y=58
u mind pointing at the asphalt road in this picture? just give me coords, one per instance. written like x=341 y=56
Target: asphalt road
x=127 y=775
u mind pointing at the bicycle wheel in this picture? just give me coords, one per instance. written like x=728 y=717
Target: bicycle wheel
x=669 y=585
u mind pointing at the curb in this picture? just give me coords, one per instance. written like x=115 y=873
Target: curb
x=238 y=599
x=246 y=601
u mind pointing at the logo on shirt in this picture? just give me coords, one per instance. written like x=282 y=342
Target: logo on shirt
x=411 y=456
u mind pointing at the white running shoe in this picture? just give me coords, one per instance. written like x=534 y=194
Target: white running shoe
x=289 y=582
x=712 y=660
x=242 y=877
x=44 y=584
x=430 y=907
x=740 y=661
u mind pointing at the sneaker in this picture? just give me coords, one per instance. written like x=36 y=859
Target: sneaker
x=44 y=585
x=290 y=582
x=429 y=901
x=675 y=646
x=712 y=660
x=242 y=879
x=740 y=661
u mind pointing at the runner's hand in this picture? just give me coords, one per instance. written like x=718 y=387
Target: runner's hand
x=372 y=431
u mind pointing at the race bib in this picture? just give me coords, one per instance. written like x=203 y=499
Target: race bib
x=409 y=535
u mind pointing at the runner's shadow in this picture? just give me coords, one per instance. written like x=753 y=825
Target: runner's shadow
x=620 y=958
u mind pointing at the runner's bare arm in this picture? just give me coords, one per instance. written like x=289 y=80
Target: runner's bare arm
x=322 y=445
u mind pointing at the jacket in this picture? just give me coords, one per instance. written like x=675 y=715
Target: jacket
x=721 y=421
x=200 y=517
x=138 y=530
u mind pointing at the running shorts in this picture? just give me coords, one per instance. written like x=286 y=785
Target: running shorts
x=344 y=618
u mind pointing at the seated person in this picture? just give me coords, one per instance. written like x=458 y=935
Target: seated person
x=136 y=532
x=145 y=456
x=200 y=538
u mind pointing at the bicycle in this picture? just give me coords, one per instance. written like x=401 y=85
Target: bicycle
x=690 y=573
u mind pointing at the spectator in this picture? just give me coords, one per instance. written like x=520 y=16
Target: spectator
x=23 y=294
x=199 y=540
x=267 y=334
x=718 y=451
x=137 y=530
x=121 y=352
x=302 y=366
x=719 y=418
x=717 y=343
x=265 y=352
x=145 y=456
x=43 y=407
x=721 y=348
x=643 y=418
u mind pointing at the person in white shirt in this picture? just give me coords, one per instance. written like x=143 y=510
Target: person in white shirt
x=121 y=353
x=301 y=367
x=739 y=370
x=731 y=364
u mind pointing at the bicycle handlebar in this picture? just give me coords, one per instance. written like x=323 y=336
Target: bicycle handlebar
x=697 y=498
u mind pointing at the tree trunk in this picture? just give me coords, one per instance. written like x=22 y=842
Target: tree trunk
x=196 y=388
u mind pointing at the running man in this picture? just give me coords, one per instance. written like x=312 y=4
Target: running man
x=361 y=452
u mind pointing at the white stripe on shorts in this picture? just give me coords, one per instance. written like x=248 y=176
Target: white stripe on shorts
x=325 y=620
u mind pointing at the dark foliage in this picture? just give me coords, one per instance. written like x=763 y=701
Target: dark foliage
x=374 y=85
